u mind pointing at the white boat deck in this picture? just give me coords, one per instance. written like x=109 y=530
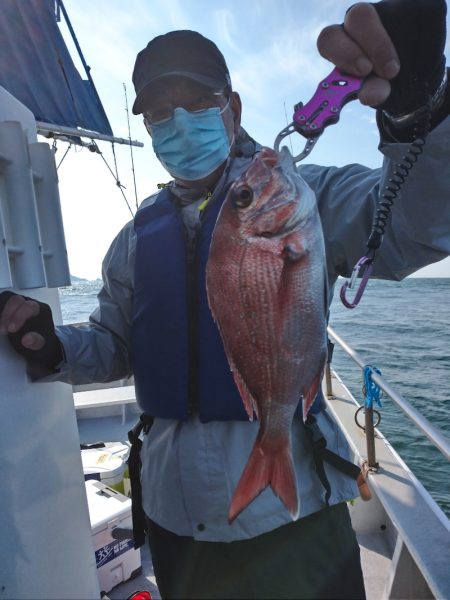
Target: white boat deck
x=375 y=561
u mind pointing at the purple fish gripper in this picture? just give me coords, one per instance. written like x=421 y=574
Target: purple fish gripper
x=325 y=106
x=310 y=120
x=323 y=109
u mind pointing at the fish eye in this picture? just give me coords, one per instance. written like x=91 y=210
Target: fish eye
x=243 y=196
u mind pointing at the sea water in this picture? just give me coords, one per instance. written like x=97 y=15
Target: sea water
x=403 y=329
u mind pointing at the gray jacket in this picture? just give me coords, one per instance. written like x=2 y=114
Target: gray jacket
x=418 y=234
x=190 y=469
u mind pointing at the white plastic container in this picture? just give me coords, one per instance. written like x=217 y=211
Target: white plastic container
x=108 y=465
x=117 y=560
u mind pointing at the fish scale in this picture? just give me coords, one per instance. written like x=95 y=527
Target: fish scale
x=266 y=285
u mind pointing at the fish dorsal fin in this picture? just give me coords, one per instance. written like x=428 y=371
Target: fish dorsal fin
x=286 y=160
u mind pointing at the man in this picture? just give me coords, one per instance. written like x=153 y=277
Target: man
x=146 y=322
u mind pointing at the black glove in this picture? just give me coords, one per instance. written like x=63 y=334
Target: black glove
x=418 y=31
x=51 y=354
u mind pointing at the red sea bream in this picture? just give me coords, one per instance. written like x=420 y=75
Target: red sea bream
x=267 y=291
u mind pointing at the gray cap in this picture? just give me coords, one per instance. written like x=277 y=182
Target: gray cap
x=183 y=52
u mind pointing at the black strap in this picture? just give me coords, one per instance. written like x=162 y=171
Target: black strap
x=134 y=467
x=341 y=464
x=321 y=454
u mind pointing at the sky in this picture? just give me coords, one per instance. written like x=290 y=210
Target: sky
x=270 y=49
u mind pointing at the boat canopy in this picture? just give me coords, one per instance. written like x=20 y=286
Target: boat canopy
x=36 y=67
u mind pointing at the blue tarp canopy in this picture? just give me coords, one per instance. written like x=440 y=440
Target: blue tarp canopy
x=36 y=68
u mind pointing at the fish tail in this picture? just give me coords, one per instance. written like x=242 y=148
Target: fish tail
x=265 y=467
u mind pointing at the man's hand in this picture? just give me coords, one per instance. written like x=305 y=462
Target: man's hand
x=399 y=46
x=30 y=329
x=17 y=310
x=362 y=47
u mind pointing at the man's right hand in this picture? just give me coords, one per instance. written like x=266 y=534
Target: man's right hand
x=30 y=329
x=391 y=44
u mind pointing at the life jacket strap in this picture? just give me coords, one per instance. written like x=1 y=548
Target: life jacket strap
x=322 y=454
x=134 y=467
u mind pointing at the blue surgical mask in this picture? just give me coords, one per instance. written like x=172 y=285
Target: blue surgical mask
x=191 y=145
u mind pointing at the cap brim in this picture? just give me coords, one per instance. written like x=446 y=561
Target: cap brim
x=141 y=99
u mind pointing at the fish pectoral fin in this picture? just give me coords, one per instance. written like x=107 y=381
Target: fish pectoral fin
x=293 y=249
x=269 y=464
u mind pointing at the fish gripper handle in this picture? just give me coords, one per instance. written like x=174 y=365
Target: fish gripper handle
x=325 y=106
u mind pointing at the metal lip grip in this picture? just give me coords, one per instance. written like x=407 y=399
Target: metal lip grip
x=324 y=108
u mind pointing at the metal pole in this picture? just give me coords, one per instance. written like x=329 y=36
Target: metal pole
x=370 y=438
x=435 y=436
x=328 y=384
x=80 y=54
x=48 y=128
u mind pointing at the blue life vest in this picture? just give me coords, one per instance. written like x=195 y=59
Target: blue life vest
x=179 y=362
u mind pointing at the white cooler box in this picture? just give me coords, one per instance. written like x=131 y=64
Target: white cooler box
x=117 y=560
x=108 y=465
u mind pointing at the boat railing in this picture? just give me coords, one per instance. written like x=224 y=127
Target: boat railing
x=434 y=434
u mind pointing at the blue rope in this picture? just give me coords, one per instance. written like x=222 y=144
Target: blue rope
x=371 y=389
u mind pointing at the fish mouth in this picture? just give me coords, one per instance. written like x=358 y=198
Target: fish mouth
x=276 y=188
x=269 y=156
x=264 y=162
x=282 y=158
x=281 y=189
